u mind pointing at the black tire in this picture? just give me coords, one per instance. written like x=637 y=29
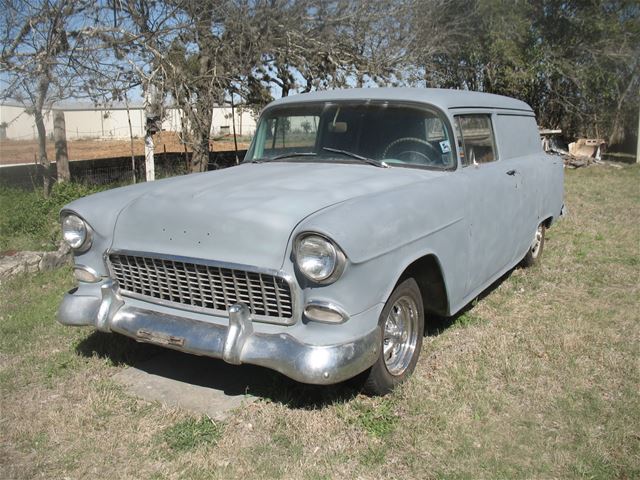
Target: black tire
x=535 y=251
x=385 y=375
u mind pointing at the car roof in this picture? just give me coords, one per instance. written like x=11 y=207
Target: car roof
x=439 y=97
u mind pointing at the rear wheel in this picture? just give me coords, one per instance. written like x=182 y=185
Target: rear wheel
x=535 y=251
x=402 y=324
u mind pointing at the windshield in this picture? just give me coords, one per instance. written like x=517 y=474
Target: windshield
x=391 y=135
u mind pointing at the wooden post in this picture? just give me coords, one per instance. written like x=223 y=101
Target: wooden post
x=152 y=116
x=133 y=157
x=60 y=138
x=184 y=143
x=149 y=166
x=233 y=119
x=638 y=145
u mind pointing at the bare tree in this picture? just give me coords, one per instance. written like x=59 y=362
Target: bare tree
x=39 y=46
x=304 y=44
x=139 y=33
x=52 y=50
x=194 y=71
x=181 y=48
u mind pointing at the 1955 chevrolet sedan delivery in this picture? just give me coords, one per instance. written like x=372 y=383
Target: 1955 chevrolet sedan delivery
x=355 y=214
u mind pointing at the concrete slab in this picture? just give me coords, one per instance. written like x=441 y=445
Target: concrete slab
x=198 y=384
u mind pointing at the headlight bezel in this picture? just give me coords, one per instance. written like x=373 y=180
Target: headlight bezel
x=88 y=231
x=339 y=262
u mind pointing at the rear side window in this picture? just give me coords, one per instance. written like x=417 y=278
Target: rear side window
x=518 y=136
x=476 y=135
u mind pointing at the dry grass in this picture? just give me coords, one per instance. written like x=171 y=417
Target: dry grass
x=26 y=151
x=539 y=380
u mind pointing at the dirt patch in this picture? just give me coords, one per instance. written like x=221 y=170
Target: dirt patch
x=26 y=151
x=200 y=385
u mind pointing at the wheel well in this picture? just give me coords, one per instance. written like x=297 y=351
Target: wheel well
x=428 y=275
x=548 y=222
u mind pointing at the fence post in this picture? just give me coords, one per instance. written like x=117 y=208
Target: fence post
x=638 y=145
x=149 y=165
x=235 y=138
x=153 y=115
x=60 y=138
x=133 y=157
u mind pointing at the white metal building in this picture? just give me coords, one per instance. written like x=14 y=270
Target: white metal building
x=88 y=121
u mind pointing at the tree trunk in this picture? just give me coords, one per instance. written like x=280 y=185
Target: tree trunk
x=43 y=160
x=44 y=82
x=200 y=132
x=200 y=157
x=201 y=117
x=62 y=156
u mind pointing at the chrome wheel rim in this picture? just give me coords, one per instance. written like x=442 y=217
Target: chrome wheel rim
x=400 y=335
x=537 y=242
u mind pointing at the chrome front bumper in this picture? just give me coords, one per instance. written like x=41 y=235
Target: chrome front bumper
x=235 y=343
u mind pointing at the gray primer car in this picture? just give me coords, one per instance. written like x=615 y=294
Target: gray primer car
x=354 y=214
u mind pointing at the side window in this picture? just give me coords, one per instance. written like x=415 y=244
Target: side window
x=478 y=142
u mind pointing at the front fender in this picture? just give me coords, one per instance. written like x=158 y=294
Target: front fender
x=383 y=234
x=101 y=211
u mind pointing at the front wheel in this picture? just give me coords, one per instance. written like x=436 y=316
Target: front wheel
x=535 y=251
x=402 y=324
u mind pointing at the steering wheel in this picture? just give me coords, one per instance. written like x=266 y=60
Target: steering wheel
x=410 y=155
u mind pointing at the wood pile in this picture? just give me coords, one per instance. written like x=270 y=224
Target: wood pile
x=573 y=161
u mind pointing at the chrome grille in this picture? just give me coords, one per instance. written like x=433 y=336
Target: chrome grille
x=201 y=286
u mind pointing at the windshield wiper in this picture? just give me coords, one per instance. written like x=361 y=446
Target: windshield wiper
x=294 y=154
x=283 y=156
x=370 y=161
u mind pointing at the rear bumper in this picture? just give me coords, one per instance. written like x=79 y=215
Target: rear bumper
x=235 y=343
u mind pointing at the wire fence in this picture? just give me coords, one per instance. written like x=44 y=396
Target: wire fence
x=111 y=170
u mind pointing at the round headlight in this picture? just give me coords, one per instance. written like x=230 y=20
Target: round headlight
x=318 y=258
x=74 y=231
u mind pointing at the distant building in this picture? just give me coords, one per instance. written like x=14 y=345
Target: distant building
x=88 y=121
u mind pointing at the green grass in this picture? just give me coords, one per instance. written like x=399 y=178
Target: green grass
x=192 y=433
x=29 y=221
x=539 y=379
x=377 y=418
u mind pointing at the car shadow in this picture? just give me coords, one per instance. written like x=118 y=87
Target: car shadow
x=214 y=374
x=436 y=324
x=240 y=379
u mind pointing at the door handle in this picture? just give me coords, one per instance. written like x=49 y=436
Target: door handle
x=512 y=172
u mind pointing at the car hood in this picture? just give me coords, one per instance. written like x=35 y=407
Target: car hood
x=244 y=214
